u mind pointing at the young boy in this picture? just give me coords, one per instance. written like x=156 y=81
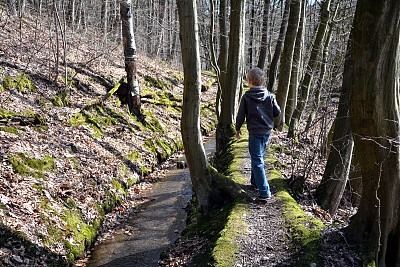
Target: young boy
x=259 y=108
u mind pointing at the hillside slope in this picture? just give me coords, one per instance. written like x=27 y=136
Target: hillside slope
x=69 y=151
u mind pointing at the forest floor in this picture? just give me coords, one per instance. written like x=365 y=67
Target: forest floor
x=66 y=150
x=70 y=152
x=270 y=238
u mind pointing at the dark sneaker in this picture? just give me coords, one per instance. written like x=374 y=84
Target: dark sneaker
x=253 y=187
x=263 y=199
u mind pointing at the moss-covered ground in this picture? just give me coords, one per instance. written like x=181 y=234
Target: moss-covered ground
x=223 y=227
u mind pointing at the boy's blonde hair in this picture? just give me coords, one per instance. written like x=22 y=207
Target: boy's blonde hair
x=256 y=76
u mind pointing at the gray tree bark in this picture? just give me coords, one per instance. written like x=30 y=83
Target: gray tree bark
x=190 y=123
x=211 y=189
x=296 y=72
x=311 y=67
x=128 y=40
x=104 y=18
x=233 y=80
x=273 y=67
x=213 y=60
x=374 y=93
x=287 y=60
x=323 y=67
x=336 y=174
x=264 y=37
x=223 y=50
x=251 y=34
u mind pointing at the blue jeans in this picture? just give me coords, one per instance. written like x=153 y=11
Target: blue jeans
x=257 y=146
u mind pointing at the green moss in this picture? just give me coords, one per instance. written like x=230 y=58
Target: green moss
x=226 y=247
x=31 y=166
x=45 y=203
x=208 y=118
x=77 y=119
x=117 y=185
x=21 y=83
x=210 y=226
x=148 y=93
x=208 y=73
x=169 y=100
x=134 y=156
x=38 y=187
x=161 y=148
x=61 y=99
x=9 y=129
x=152 y=123
x=165 y=145
x=97 y=117
x=173 y=110
x=82 y=233
x=150 y=146
x=4 y=208
x=5 y=115
x=42 y=103
x=157 y=82
x=25 y=117
x=177 y=77
x=207 y=85
x=95 y=123
x=223 y=227
x=118 y=102
x=163 y=98
x=304 y=230
x=69 y=80
x=70 y=203
x=113 y=199
x=75 y=162
x=114 y=89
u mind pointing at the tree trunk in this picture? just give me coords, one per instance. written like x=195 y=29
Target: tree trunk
x=374 y=113
x=128 y=40
x=12 y=6
x=317 y=94
x=311 y=67
x=323 y=67
x=71 y=13
x=223 y=50
x=213 y=60
x=295 y=74
x=210 y=187
x=264 y=43
x=104 y=18
x=190 y=124
x=233 y=79
x=287 y=60
x=21 y=8
x=355 y=182
x=333 y=183
x=251 y=34
x=278 y=48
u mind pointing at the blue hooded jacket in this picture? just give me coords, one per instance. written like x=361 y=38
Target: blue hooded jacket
x=258 y=107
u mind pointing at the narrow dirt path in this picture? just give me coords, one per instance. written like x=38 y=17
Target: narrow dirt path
x=267 y=240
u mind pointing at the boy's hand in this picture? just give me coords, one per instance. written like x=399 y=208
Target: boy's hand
x=238 y=133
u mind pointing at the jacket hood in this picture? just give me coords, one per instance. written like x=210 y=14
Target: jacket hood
x=259 y=94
